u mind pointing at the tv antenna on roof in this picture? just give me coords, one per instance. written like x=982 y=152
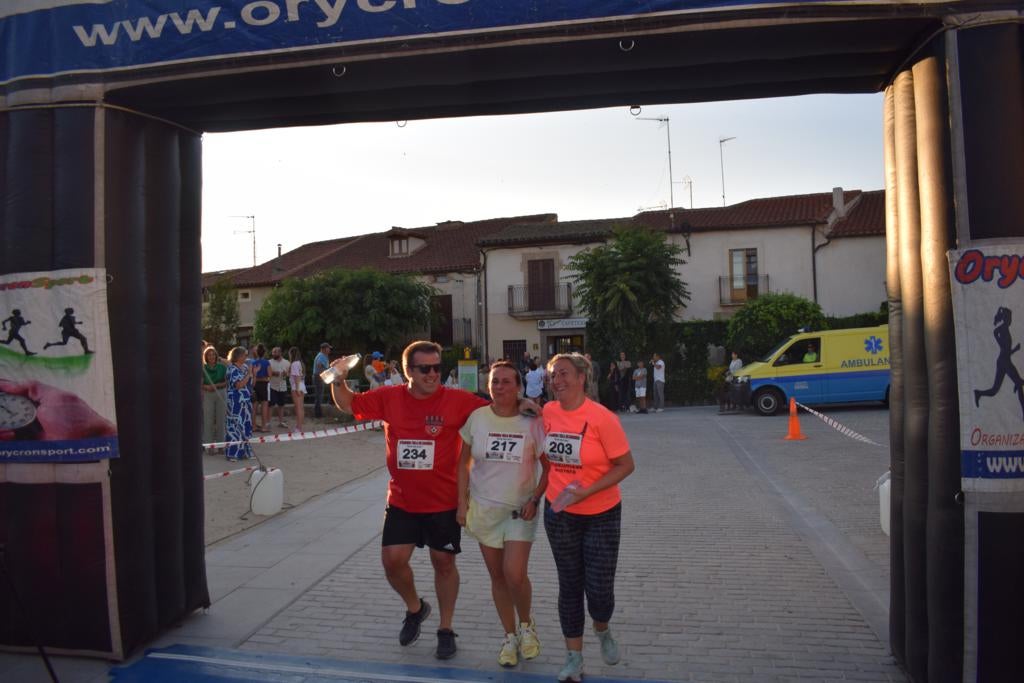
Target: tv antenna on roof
x=251 y=231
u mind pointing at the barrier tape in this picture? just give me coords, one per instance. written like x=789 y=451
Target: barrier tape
x=300 y=436
x=842 y=429
x=229 y=473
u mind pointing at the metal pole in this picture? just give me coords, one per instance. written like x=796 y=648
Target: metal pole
x=721 y=161
x=668 y=138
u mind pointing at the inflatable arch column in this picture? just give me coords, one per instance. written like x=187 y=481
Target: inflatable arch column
x=954 y=157
x=106 y=555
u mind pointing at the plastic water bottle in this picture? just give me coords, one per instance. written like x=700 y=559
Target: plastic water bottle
x=566 y=496
x=339 y=368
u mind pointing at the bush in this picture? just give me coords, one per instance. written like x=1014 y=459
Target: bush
x=858 y=320
x=762 y=323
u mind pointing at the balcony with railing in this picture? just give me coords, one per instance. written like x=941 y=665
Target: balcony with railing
x=533 y=301
x=738 y=290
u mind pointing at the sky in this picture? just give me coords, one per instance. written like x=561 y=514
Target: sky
x=302 y=185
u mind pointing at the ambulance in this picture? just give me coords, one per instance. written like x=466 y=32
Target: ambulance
x=815 y=368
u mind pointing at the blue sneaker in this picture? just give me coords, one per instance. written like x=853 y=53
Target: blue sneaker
x=573 y=669
x=609 y=648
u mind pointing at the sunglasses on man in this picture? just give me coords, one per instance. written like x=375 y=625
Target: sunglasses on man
x=425 y=369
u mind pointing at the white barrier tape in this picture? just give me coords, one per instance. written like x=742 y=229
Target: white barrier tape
x=842 y=429
x=229 y=473
x=293 y=436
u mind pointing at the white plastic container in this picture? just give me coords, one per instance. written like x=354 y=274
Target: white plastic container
x=339 y=368
x=884 y=494
x=266 y=491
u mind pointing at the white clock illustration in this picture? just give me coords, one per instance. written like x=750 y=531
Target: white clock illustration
x=18 y=413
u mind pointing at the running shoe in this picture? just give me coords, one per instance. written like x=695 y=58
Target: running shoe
x=509 y=655
x=573 y=669
x=445 y=643
x=609 y=648
x=529 y=644
x=411 y=625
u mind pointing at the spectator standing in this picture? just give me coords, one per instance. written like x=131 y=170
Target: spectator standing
x=297 y=382
x=261 y=390
x=625 y=382
x=421 y=432
x=279 y=369
x=640 y=386
x=524 y=365
x=394 y=374
x=586 y=444
x=535 y=377
x=453 y=379
x=658 y=370
x=614 y=386
x=320 y=363
x=214 y=396
x=238 y=429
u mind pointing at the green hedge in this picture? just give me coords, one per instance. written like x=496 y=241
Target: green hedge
x=858 y=320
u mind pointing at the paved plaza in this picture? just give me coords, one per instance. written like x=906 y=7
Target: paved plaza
x=744 y=557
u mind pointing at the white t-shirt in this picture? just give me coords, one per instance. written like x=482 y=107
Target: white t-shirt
x=659 y=370
x=535 y=382
x=735 y=366
x=505 y=451
x=277 y=380
x=295 y=375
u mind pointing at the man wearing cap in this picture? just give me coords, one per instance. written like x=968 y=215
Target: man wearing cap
x=320 y=363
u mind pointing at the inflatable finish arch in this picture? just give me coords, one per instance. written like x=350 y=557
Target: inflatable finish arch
x=102 y=107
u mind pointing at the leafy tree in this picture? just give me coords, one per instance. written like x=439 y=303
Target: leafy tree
x=355 y=310
x=630 y=288
x=762 y=323
x=221 y=320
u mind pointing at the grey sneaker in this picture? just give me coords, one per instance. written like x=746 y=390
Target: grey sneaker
x=573 y=669
x=609 y=648
x=411 y=625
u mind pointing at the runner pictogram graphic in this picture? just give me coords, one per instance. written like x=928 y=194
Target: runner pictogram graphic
x=13 y=324
x=1004 y=363
x=69 y=329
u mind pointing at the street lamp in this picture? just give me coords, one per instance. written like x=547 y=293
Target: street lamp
x=250 y=231
x=668 y=139
x=721 y=161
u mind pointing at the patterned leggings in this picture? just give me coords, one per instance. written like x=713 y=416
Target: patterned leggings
x=586 y=552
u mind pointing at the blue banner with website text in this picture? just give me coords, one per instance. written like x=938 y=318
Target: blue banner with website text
x=51 y=37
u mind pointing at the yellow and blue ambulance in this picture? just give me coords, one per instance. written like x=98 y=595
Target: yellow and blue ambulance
x=833 y=366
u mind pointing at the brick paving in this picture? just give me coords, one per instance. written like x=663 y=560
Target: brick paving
x=743 y=559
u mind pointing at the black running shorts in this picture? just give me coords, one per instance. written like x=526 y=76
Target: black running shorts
x=436 y=530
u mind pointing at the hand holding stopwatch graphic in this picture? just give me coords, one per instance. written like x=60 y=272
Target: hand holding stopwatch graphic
x=56 y=414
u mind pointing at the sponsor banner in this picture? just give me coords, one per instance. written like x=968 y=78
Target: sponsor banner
x=988 y=310
x=56 y=372
x=562 y=324
x=468 y=375
x=50 y=37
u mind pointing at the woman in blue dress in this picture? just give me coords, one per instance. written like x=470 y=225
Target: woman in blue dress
x=239 y=418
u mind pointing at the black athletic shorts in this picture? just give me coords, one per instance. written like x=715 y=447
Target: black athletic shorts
x=278 y=398
x=261 y=389
x=436 y=530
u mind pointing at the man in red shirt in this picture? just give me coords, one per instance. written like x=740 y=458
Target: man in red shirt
x=421 y=429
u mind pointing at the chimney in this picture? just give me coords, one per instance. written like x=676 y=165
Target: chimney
x=837 y=202
x=279 y=251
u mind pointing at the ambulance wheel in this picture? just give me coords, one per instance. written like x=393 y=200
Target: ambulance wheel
x=768 y=401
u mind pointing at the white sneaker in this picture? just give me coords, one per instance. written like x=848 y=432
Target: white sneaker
x=573 y=669
x=509 y=655
x=609 y=648
x=529 y=644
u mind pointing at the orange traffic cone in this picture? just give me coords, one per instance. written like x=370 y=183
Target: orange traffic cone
x=794 y=423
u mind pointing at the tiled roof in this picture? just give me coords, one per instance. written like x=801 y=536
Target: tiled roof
x=805 y=209
x=214 y=276
x=800 y=209
x=564 y=231
x=449 y=247
x=867 y=217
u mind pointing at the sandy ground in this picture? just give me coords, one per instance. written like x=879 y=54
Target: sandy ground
x=310 y=467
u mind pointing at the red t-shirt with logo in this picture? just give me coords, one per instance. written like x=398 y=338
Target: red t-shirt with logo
x=423 y=443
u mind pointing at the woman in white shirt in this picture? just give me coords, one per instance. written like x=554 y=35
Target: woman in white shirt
x=453 y=379
x=535 y=383
x=499 y=492
x=297 y=380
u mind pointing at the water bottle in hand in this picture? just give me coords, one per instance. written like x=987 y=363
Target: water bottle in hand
x=339 y=368
x=567 y=496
